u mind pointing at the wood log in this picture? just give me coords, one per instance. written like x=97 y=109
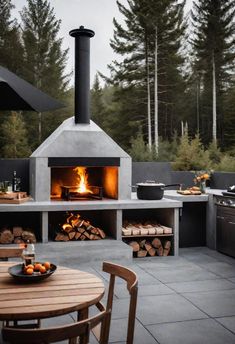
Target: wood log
x=156 y=243
x=61 y=237
x=67 y=227
x=141 y=253
x=77 y=235
x=126 y=231
x=87 y=235
x=94 y=230
x=147 y=246
x=17 y=231
x=71 y=235
x=27 y=235
x=167 y=248
x=82 y=237
x=135 y=246
x=18 y=240
x=81 y=230
x=101 y=233
x=142 y=243
x=152 y=252
x=6 y=236
x=94 y=237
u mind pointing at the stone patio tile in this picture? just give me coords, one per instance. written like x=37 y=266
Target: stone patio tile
x=195 y=286
x=221 y=268
x=200 y=258
x=214 y=303
x=182 y=274
x=160 y=262
x=118 y=332
x=145 y=290
x=206 y=331
x=166 y=308
x=143 y=276
x=228 y=322
x=232 y=280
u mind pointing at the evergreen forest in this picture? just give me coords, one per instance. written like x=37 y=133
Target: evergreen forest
x=169 y=96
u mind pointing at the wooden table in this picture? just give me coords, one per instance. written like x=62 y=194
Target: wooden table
x=65 y=291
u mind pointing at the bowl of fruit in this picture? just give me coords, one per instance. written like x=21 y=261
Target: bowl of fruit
x=32 y=272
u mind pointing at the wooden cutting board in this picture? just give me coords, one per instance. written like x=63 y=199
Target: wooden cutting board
x=13 y=197
x=189 y=192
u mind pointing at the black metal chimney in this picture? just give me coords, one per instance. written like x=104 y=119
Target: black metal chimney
x=82 y=73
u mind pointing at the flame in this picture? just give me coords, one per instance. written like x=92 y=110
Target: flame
x=82 y=179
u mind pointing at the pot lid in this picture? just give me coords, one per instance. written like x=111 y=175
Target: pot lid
x=150 y=183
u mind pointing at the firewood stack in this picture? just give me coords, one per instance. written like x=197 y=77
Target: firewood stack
x=144 y=228
x=77 y=228
x=16 y=235
x=155 y=247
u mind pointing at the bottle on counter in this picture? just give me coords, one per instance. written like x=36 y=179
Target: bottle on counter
x=28 y=254
x=14 y=182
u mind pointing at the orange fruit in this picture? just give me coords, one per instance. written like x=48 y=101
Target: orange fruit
x=37 y=266
x=29 y=271
x=47 y=265
x=42 y=269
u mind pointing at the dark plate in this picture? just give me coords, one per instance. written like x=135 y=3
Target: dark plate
x=16 y=272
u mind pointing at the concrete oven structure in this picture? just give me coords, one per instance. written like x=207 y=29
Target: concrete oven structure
x=80 y=142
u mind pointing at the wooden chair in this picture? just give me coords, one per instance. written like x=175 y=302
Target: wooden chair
x=15 y=252
x=10 y=252
x=132 y=286
x=71 y=332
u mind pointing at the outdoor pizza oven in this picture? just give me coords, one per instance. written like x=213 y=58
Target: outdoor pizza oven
x=79 y=161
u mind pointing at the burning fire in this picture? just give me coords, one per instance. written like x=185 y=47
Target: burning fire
x=82 y=179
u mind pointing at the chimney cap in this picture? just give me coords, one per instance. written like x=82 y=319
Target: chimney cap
x=82 y=32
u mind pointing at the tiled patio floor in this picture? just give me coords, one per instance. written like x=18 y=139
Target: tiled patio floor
x=184 y=300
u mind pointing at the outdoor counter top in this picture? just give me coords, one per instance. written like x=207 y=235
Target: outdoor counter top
x=105 y=204
x=172 y=194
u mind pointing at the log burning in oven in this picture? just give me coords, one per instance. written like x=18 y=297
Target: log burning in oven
x=78 y=228
x=82 y=189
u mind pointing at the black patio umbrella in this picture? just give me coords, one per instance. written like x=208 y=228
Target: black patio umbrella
x=17 y=94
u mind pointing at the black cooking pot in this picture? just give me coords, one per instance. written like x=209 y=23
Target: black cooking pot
x=151 y=190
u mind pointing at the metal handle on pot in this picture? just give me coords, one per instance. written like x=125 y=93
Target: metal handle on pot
x=180 y=185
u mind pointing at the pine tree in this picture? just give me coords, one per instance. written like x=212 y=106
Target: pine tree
x=213 y=44
x=13 y=136
x=150 y=46
x=11 y=50
x=97 y=104
x=44 y=62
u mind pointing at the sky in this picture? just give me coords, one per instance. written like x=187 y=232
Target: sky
x=92 y=14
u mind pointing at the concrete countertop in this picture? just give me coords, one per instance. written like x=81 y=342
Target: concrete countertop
x=105 y=204
x=172 y=194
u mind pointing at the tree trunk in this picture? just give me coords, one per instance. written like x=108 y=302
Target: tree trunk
x=156 y=142
x=214 y=125
x=148 y=95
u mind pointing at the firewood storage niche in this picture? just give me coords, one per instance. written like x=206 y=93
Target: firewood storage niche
x=82 y=225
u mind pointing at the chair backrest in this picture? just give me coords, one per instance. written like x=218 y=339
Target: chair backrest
x=55 y=334
x=10 y=252
x=130 y=277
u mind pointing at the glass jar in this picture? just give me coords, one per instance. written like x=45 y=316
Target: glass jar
x=28 y=254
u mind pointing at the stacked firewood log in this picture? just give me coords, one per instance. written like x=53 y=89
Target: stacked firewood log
x=155 y=247
x=16 y=235
x=144 y=228
x=77 y=228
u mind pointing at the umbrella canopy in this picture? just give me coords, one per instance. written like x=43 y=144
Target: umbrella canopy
x=17 y=94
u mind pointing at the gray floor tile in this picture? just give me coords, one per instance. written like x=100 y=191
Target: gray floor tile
x=206 y=331
x=221 y=269
x=145 y=290
x=118 y=332
x=232 y=280
x=228 y=322
x=166 y=308
x=207 y=285
x=215 y=303
x=161 y=262
x=182 y=274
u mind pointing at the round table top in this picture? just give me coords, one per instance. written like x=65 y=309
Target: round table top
x=65 y=291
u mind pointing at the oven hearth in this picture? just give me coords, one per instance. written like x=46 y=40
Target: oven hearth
x=71 y=193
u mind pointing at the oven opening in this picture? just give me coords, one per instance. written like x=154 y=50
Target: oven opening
x=84 y=183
